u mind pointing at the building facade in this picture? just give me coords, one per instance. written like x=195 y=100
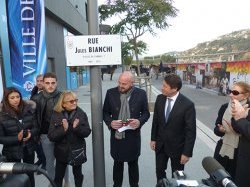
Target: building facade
x=61 y=18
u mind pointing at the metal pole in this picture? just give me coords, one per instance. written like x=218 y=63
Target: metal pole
x=96 y=104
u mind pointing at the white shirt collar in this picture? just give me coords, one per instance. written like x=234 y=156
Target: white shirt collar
x=173 y=98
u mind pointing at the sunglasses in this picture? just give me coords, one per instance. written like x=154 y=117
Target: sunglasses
x=234 y=92
x=71 y=101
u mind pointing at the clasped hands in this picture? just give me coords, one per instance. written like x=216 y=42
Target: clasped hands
x=134 y=123
x=239 y=111
x=21 y=134
x=65 y=124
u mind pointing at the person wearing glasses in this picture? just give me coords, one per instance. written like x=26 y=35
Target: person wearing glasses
x=46 y=101
x=227 y=147
x=18 y=128
x=68 y=127
x=241 y=124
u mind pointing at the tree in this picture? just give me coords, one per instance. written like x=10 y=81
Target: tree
x=168 y=58
x=137 y=17
x=127 y=56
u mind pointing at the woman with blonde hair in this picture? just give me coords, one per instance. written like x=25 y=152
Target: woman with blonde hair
x=241 y=124
x=68 y=129
x=227 y=150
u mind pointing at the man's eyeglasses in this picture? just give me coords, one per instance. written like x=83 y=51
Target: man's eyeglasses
x=72 y=101
x=234 y=92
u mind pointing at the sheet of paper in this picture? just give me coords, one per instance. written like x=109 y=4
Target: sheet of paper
x=188 y=182
x=124 y=128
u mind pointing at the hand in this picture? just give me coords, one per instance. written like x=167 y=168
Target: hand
x=25 y=139
x=65 y=124
x=116 y=124
x=20 y=136
x=239 y=111
x=152 y=145
x=221 y=128
x=184 y=159
x=134 y=123
x=75 y=123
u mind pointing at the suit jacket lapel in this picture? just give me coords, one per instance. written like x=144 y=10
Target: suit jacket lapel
x=162 y=107
x=175 y=107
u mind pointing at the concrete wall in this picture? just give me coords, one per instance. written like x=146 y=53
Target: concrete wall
x=71 y=13
x=55 y=51
x=60 y=15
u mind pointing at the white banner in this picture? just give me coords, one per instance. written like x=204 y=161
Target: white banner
x=90 y=50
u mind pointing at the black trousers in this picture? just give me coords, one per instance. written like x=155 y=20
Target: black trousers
x=162 y=163
x=133 y=171
x=27 y=158
x=60 y=172
x=228 y=164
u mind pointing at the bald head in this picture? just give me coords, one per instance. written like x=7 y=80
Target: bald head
x=125 y=82
x=127 y=75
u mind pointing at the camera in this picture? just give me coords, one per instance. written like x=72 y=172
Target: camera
x=25 y=133
x=179 y=175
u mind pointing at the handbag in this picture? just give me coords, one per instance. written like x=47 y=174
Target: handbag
x=78 y=156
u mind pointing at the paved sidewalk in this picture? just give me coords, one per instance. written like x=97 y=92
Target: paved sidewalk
x=204 y=146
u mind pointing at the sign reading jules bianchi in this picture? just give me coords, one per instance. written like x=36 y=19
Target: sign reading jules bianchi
x=90 y=50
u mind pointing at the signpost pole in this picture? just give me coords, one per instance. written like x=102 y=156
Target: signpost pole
x=96 y=104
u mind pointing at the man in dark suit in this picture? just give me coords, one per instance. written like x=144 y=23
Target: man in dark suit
x=125 y=111
x=174 y=127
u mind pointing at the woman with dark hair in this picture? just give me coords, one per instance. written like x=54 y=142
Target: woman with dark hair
x=18 y=127
x=68 y=129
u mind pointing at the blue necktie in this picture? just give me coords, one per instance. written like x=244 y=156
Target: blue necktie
x=168 y=109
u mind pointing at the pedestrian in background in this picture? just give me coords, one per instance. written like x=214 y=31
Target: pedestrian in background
x=125 y=111
x=18 y=128
x=241 y=124
x=174 y=127
x=224 y=85
x=46 y=101
x=39 y=149
x=68 y=128
x=38 y=87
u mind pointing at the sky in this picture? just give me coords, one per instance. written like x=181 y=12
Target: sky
x=197 y=21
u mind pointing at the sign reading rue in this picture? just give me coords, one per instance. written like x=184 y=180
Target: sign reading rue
x=90 y=50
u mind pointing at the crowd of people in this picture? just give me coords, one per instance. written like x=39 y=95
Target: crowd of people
x=55 y=127
x=51 y=124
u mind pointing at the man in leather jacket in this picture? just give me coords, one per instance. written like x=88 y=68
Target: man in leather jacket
x=46 y=101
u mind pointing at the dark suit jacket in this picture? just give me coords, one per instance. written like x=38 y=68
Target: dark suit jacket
x=177 y=135
x=127 y=149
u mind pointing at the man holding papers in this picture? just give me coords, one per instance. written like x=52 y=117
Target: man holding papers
x=125 y=111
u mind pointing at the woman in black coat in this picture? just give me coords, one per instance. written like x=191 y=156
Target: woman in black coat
x=227 y=154
x=18 y=128
x=68 y=128
x=241 y=124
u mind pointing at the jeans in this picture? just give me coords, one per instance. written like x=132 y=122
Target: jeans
x=40 y=155
x=48 y=149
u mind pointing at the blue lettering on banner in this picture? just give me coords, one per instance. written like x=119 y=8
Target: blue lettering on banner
x=27 y=42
